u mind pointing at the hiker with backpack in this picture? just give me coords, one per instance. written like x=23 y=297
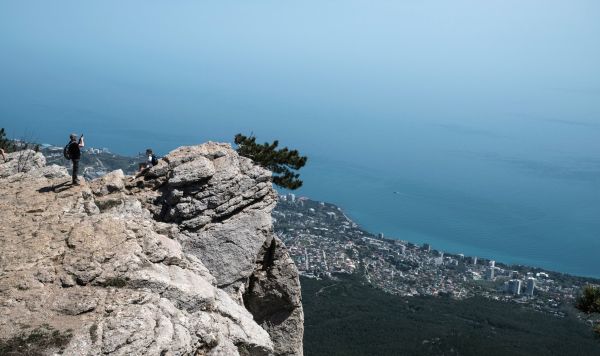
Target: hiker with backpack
x=72 y=152
x=151 y=161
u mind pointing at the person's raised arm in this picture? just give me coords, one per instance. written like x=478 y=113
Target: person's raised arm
x=81 y=143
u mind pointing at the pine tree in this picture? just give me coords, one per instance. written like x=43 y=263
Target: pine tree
x=282 y=162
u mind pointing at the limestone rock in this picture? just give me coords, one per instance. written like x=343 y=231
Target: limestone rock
x=110 y=183
x=273 y=297
x=181 y=261
x=192 y=172
x=21 y=162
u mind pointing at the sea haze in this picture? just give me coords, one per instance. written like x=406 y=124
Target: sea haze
x=473 y=126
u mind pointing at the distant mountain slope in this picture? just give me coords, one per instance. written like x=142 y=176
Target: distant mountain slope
x=347 y=317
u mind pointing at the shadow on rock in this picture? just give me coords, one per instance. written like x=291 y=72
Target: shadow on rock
x=56 y=188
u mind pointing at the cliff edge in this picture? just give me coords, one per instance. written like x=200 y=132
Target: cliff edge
x=181 y=261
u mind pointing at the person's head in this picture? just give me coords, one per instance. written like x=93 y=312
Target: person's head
x=149 y=151
x=73 y=137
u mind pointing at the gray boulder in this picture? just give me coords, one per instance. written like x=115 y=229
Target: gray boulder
x=21 y=162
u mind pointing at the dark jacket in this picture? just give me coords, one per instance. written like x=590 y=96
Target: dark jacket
x=74 y=151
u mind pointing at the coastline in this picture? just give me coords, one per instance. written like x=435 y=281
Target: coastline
x=499 y=262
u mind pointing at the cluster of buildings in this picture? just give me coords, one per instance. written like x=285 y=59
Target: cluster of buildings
x=323 y=241
x=317 y=252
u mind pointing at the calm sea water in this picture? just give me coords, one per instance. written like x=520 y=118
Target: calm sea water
x=521 y=217
x=471 y=125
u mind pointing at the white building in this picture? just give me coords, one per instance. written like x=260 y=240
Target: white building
x=530 y=286
x=514 y=286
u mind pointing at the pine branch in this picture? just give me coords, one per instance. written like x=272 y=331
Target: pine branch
x=282 y=162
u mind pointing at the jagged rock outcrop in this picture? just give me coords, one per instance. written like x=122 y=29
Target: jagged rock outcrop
x=180 y=261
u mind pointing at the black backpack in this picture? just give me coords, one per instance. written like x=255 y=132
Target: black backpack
x=66 y=152
x=154 y=160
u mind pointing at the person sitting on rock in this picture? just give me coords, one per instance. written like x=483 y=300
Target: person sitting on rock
x=150 y=161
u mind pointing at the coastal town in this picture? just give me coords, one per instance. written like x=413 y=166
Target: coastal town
x=323 y=241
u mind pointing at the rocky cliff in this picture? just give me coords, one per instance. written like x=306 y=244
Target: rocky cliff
x=181 y=261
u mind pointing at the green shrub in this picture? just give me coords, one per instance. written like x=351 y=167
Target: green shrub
x=6 y=144
x=589 y=301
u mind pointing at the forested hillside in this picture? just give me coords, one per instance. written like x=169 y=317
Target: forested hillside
x=347 y=317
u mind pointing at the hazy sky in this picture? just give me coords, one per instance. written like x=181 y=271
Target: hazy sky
x=459 y=104
x=301 y=70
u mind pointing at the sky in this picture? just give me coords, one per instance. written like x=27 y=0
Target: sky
x=493 y=103
x=300 y=69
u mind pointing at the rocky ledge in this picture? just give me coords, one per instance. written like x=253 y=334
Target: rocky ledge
x=180 y=261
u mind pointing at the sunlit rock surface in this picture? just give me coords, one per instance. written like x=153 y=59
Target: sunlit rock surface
x=180 y=261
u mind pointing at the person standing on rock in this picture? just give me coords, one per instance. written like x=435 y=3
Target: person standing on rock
x=74 y=149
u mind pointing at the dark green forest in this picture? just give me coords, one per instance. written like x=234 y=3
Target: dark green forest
x=348 y=317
